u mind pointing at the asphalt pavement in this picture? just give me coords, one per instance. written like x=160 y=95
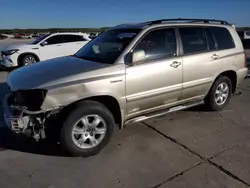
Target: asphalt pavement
x=187 y=149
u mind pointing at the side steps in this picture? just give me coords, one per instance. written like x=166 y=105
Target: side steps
x=163 y=112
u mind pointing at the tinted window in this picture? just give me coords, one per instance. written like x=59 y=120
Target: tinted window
x=74 y=38
x=210 y=39
x=248 y=33
x=158 y=44
x=193 y=39
x=223 y=38
x=55 y=39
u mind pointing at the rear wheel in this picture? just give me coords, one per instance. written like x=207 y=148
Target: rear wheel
x=220 y=93
x=87 y=129
x=28 y=59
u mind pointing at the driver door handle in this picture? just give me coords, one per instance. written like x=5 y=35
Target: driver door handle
x=175 y=64
x=215 y=56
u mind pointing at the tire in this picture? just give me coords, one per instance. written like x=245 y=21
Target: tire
x=214 y=94
x=28 y=59
x=90 y=144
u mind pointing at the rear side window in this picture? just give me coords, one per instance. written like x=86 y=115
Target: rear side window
x=210 y=39
x=193 y=39
x=223 y=38
x=74 y=38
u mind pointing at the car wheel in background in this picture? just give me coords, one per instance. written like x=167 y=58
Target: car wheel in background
x=87 y=129
x=28 y=59
x=220 y=93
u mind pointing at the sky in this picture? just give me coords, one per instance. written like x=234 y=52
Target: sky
x=106 y=13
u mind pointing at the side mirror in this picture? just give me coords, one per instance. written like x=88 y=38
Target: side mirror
x=44 y=43
x=138 y=56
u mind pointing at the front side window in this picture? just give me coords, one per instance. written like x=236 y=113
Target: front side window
x=157 y=44
x=56 y=39
x=193 y=39
x=108 y=46
x=223 y=38
x=248 y=33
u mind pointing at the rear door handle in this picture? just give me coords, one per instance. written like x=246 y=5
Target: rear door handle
x=175 y=64
x=215 y=56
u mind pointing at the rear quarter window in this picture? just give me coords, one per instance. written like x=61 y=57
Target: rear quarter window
x=223 y=38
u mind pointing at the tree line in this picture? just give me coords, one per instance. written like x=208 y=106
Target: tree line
x=52 y=30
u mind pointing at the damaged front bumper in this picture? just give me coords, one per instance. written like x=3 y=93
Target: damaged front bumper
x=19 y=118
x=14 y=119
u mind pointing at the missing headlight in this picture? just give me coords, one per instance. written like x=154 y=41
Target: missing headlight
x=32 y=99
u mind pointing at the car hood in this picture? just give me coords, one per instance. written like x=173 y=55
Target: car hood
x=18 y=46
x=51 y=72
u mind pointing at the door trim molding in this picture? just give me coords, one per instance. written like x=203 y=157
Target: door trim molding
x=154 y=92
x=195 y=83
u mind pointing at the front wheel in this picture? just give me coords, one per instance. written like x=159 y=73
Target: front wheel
x=220 y=94
x=87 y=129
x=28 y=59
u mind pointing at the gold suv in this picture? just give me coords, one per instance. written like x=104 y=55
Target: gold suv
x=127 y=74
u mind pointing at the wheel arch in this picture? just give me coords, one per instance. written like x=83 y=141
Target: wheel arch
x=108 y=101
x=22 y=55
x=232 y=75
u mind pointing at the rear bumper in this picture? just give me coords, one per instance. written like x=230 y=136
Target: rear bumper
x=241 y=75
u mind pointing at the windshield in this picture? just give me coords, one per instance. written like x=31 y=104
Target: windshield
x=39 y=39
x=108 y=46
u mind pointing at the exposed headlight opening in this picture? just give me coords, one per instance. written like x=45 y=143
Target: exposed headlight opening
x=32 y=99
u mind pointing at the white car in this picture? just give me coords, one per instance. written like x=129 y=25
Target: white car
x=43 y=48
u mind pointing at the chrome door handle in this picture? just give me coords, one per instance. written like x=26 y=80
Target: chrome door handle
x=175 y=64
x=215 y=56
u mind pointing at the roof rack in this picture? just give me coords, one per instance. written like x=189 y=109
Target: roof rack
x=189 y=20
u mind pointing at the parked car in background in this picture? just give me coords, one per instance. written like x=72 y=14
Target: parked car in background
x=3 y=36
x=244 y=34
x=18 y=36
x=92 y=35
x=247 y=35
x=127 y=74
x=35 y=35
x=43 y=48
x=26 y=36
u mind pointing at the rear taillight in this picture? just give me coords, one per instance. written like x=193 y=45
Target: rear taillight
x=245 y=60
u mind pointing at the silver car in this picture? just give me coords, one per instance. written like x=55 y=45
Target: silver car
x=127 y=74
